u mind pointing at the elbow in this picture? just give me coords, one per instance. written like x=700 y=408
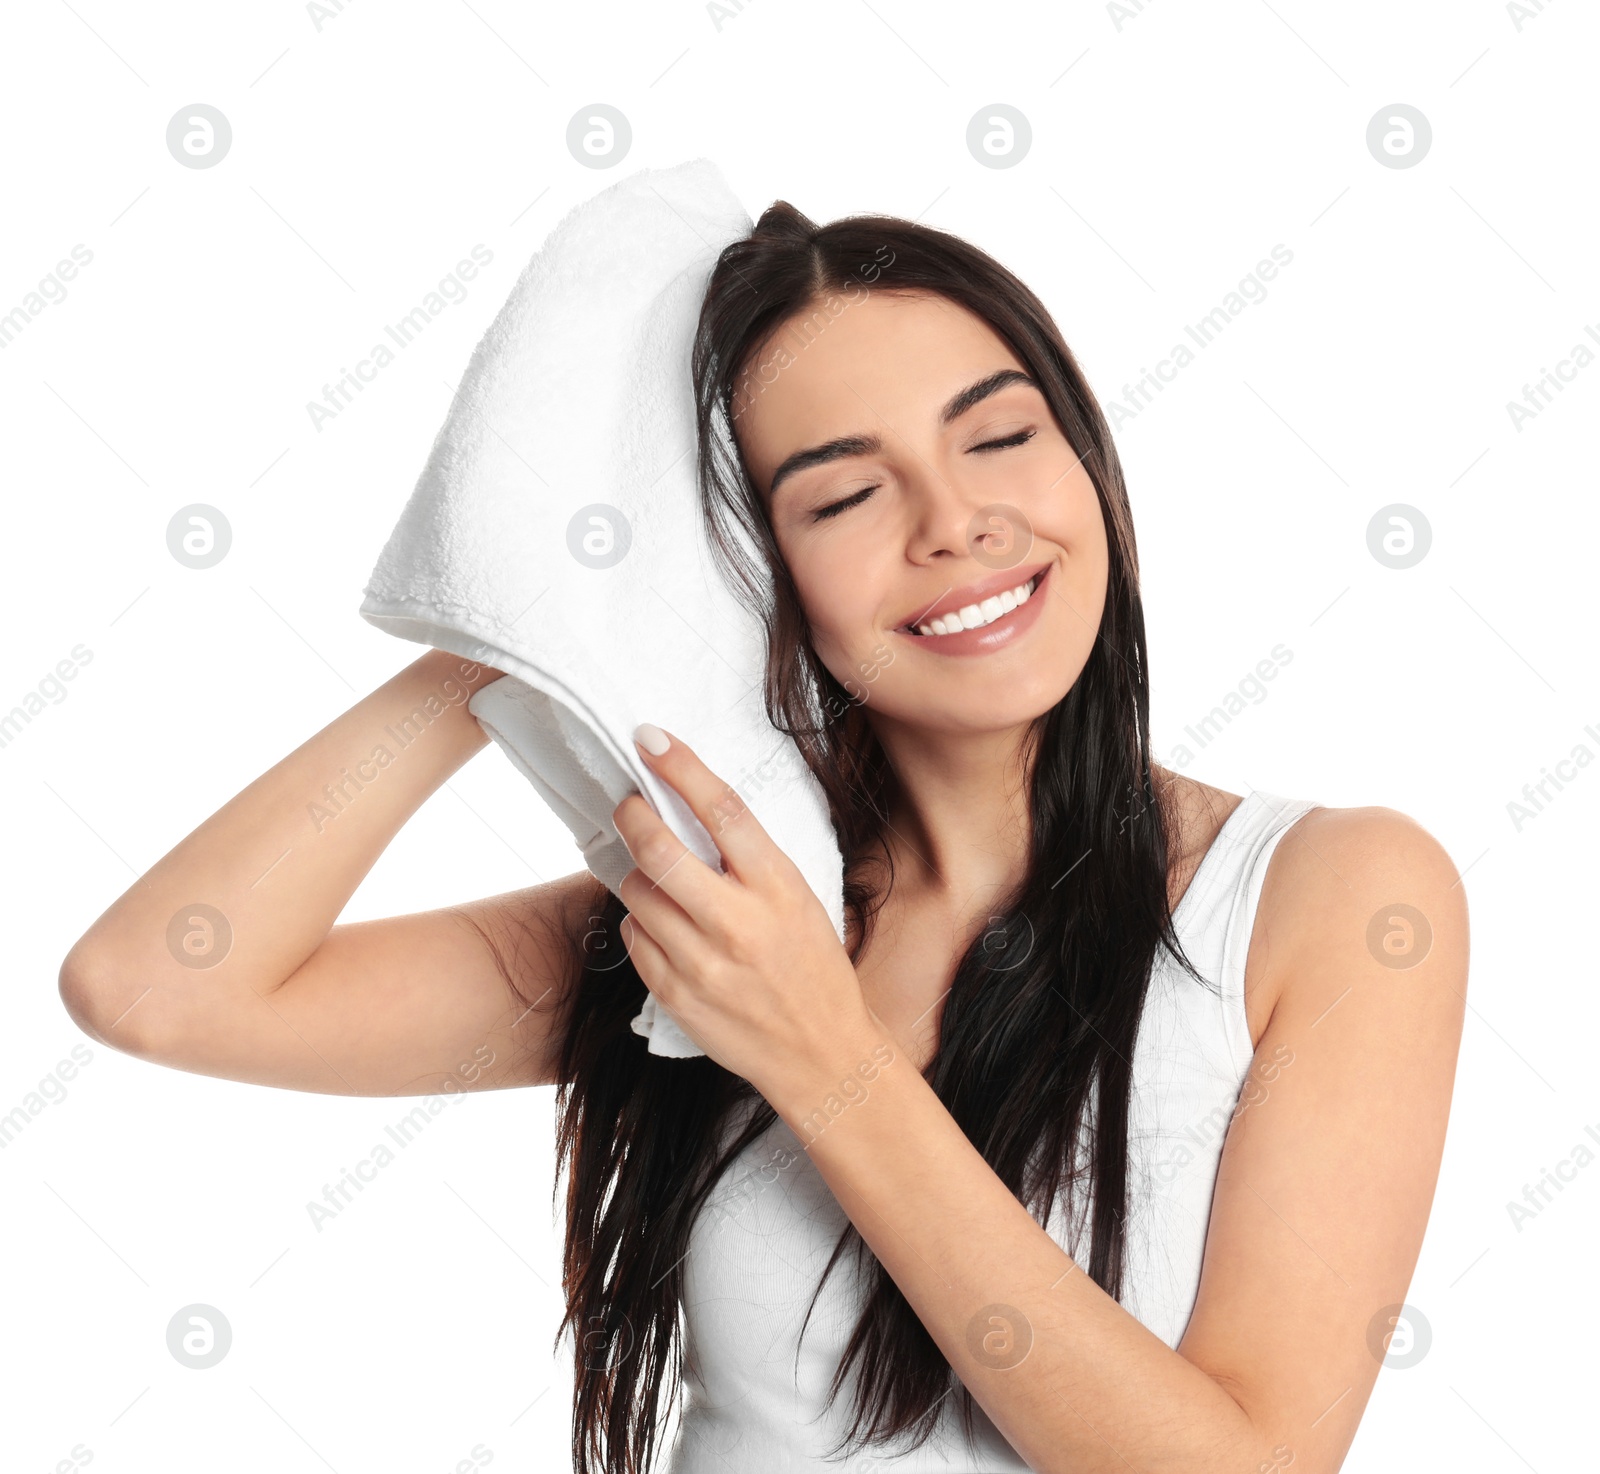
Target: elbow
x=89 y=997
x=78 y=995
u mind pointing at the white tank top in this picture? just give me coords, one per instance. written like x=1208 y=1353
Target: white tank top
x=759 y=1244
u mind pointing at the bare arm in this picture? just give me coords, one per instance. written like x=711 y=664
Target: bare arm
x=223 y=958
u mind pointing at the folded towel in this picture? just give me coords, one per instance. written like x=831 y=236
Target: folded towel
x=555 y=534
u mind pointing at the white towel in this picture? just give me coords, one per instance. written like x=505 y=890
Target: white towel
x=578 y=405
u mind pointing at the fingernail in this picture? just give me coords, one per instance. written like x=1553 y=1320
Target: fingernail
x=651 y=738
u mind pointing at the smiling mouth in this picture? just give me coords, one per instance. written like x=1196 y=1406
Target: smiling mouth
x=977 y=616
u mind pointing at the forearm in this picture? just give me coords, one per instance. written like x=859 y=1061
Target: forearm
x=1072 y=1380
x=282 y=857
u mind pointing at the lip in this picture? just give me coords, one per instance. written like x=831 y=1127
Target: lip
x=998 y=634
x=972 y=593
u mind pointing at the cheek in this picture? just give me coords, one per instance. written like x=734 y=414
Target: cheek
x=835 y=630
x=1076 y=522
x=836 y=595
x=833 y=586
x=1083 y=522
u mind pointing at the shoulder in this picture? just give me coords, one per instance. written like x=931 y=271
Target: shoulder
x=1363 y=893
x=1331 y=860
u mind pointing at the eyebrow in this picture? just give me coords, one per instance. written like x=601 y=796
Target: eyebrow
x=859 y=445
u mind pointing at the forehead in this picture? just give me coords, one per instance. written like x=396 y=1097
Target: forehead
x=876 y=361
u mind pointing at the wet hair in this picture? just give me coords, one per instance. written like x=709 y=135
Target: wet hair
x=1033 y=1058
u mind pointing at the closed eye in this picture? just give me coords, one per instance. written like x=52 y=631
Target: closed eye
x=1022 y=437
x=844 y=506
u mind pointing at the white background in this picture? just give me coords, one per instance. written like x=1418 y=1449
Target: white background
x=1170 y=153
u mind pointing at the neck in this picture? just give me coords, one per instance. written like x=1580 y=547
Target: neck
x=959 y=827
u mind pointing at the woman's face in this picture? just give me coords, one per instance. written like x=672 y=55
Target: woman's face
x=941 y=501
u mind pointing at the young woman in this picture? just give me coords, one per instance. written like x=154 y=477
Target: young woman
x=1127 y=1094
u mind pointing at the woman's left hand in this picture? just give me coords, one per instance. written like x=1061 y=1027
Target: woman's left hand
x=745 y=959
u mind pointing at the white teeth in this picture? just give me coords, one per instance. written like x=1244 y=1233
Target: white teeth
x=973 y=616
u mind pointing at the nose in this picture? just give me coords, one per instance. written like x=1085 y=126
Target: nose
x=940 y=513
x=952 y=517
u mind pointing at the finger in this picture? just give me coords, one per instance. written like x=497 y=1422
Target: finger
x=746 y=848
x=669 y=925
x=671 y=870
x=649 y=961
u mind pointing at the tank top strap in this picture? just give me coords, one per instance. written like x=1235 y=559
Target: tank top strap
x=1216 y=915
x=1247 y=836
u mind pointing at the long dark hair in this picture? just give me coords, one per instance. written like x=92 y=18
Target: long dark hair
x=1038 y=1030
